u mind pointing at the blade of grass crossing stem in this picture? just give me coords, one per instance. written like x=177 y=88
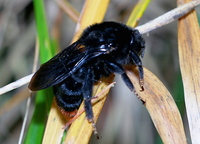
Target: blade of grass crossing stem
x=137 y=12
x=189 y=54
x=44 y=98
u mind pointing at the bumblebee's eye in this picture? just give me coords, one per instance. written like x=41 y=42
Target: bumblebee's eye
x=103 y=48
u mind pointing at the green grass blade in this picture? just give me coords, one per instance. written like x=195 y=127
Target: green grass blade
x=137 y=12
x=44 y=98
x=37 y=125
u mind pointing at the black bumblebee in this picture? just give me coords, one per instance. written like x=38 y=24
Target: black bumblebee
x=101 y=50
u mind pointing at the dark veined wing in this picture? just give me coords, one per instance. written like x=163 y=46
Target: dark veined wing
x=62 y=66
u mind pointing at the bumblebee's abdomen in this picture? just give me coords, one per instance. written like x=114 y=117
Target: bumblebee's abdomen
x=68 y=94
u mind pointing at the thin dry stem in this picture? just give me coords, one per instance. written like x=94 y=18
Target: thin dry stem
x=65 y=6
x=168 y=17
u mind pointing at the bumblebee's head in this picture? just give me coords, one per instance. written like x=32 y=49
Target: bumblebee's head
x=112 y=37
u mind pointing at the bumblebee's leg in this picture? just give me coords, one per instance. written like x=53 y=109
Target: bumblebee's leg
x=128 y=82
x=120 y=70
x=137 y=61
x=93 y=102
x=87 y=95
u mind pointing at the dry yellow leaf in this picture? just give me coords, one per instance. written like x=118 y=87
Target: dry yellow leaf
x=161 y=107
x=54 y=127
x=189 y=54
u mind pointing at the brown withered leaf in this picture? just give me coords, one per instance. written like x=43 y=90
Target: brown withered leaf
x=161 y=107
x=189 y=57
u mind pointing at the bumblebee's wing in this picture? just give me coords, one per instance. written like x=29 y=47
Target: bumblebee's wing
x=62 y=66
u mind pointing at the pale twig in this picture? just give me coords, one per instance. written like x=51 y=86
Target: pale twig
x=16 y=84
x=156 y=23
x=68 y=9
x=168 y=17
